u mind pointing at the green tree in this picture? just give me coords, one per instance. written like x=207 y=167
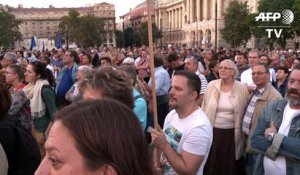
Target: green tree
x=9 y=31
x=119 y=38
x=156 y=33
x=236 y=30
x=132 y=38
x=273 y=6
x=296 y=10
x=83 y=30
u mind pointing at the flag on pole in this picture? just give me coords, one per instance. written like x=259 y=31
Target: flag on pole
x=33 y=43
x=58 y=40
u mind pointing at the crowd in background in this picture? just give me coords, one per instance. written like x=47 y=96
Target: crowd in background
x=235 y=87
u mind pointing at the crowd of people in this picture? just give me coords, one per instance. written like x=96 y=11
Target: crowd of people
x=89 y=111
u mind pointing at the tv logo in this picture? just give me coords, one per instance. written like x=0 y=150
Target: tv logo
x=287 y=18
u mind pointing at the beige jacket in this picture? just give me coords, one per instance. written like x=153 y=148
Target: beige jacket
x=269 y=95
x=238 y=98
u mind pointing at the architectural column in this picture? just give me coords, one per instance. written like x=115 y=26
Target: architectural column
x=180 y=17
x=187 y=9
x=198 y=10
x=177 y=18
x=204 y=8
x=219 y=9
x=174 y=18
x=191 y=11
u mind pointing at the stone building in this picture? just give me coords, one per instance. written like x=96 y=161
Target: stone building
x=136 y=16
x=191 y=23
x=43 y=23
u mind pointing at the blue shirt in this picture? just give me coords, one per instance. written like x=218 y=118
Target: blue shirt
x=140 y=108
x=162 y=81
x=66 y=83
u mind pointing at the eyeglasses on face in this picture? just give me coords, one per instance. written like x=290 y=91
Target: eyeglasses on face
x=225 y=68
x=258 y=73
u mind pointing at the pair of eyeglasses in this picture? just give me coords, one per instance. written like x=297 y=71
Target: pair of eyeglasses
x=258 y=73
x=225 y=68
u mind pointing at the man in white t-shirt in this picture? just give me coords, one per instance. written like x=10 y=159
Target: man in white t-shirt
x=277 y=134
x=187 y=134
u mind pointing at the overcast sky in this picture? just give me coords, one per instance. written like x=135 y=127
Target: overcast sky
x=121 y=6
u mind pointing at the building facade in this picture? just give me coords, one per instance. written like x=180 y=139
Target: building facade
x=136 y=16
x=192 y=23
x=43 y=23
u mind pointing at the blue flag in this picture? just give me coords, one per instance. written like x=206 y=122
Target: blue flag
x=58 y=40
x=33 y=44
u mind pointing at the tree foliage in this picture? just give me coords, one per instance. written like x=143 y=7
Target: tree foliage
x=296 y=10
x=156 y=33
x=273 y=6
x=119 y=38
x=131 y=37
x=236 y=30
x=9 y=31
x=83 y=30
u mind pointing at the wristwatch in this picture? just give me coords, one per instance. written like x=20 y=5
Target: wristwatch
x=271 y=136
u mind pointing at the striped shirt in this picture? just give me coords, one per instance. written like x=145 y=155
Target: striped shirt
x=250 y=110
x=203 y=82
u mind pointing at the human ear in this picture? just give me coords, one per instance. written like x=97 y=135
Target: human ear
x=107 y=170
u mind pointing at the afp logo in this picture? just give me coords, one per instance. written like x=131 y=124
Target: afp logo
x=287 y=16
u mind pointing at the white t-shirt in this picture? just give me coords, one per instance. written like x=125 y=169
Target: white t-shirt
x=278 y=166
x=192 y=134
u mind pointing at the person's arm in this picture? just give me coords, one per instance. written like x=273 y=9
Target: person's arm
x=184 y=162
x=280 y=145
x=50 y=102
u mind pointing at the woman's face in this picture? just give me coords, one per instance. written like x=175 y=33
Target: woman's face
x=10 y=75
x=30 y=75
x=226 y=70
x=62 y=156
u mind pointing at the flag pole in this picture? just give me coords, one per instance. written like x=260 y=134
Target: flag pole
x=154 y=102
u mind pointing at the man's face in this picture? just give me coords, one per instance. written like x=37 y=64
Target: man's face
x=67 y=59
x=208 y=55
x=5 y=61
x=280 y=74
x=240 y=60
x=264 y=59
x=274 y=59
x=190 y=66
x=180 y=94
x=260 y=76
x=253 y=59
x=293 y=91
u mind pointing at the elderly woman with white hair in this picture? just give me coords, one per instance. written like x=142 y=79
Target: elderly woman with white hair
x=73 y=94
x=224 y=102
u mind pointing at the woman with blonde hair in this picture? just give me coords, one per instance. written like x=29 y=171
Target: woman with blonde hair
x=224 y=103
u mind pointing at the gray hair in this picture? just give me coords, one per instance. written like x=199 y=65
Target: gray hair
x=233 y=65
x=85 y=69
x=11 y=56
x=255 y=51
